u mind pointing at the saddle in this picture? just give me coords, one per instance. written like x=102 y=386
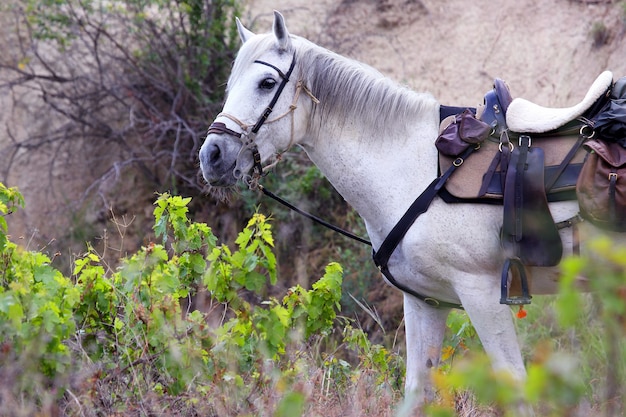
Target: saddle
x=532 y=156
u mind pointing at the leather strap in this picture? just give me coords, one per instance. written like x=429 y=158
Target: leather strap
x=568 y=158
x=219 y=127
x=500 y=159
x=612 y=190
x=520 y=169
x=419 y=207
x=282 y=85
x=312 y=217
x=528 y=229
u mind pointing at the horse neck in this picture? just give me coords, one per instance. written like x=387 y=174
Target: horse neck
x=378 y=175
x=373 y=139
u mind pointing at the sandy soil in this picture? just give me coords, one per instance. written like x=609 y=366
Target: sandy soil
x=454 y=49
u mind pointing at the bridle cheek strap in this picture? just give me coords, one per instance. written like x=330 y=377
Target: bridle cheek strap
x=281 y=87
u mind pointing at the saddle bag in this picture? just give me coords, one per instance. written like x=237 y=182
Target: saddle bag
x=601 y=186
x=459 y=132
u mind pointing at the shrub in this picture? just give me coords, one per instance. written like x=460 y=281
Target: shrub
x=132 y=80
x=108 y=340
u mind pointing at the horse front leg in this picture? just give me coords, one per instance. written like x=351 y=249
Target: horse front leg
x=425 y=328
x=494 y=324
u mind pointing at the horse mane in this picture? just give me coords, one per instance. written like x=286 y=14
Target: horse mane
x=347 y=89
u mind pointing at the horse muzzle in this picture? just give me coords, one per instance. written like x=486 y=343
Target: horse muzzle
x=219 y=160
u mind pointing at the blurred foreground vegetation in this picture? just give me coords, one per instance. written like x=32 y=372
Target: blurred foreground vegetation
x=131 y=340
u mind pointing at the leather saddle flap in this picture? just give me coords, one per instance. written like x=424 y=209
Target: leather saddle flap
x=528 y=230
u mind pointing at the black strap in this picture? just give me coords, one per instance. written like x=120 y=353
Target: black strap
x=312 y=217
x=282 y=85
x=518 y=197
x=612 y=191
x=419 y=206
x=568 y=158
x=500 y=159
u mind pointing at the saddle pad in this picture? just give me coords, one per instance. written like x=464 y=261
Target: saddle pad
x=466 y=182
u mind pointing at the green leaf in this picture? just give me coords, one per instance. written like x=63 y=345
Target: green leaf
x=254 y=281
x=243 y=239
x=15 y=314
x=160 y=228
x=291 y=405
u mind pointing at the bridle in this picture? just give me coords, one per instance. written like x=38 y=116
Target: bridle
x=248 y=133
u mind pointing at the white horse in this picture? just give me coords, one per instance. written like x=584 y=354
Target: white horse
x=374 y=141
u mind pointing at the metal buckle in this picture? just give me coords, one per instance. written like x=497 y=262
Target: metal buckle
x=511 y=146
x=522 y=137
x=582 y=131
x=431 y=301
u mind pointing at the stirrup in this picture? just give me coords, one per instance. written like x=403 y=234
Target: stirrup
x=505 y=297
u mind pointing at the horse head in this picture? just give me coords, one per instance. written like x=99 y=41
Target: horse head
x=263 y=114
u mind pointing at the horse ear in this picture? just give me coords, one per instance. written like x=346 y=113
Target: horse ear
x=281 y=32
x=244 y=33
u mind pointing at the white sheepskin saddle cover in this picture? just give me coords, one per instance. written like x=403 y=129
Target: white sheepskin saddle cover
x=526 y=117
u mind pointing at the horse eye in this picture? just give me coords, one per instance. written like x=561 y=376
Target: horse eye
x=267 y=84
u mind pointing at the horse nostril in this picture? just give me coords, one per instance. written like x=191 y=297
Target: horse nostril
x=215 y=154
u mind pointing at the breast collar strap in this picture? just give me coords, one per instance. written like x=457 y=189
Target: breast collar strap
x=419 y=207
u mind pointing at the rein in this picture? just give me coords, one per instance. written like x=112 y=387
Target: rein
x=313 y=217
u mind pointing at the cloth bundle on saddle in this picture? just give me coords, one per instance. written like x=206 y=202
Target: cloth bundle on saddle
x=524 y=156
